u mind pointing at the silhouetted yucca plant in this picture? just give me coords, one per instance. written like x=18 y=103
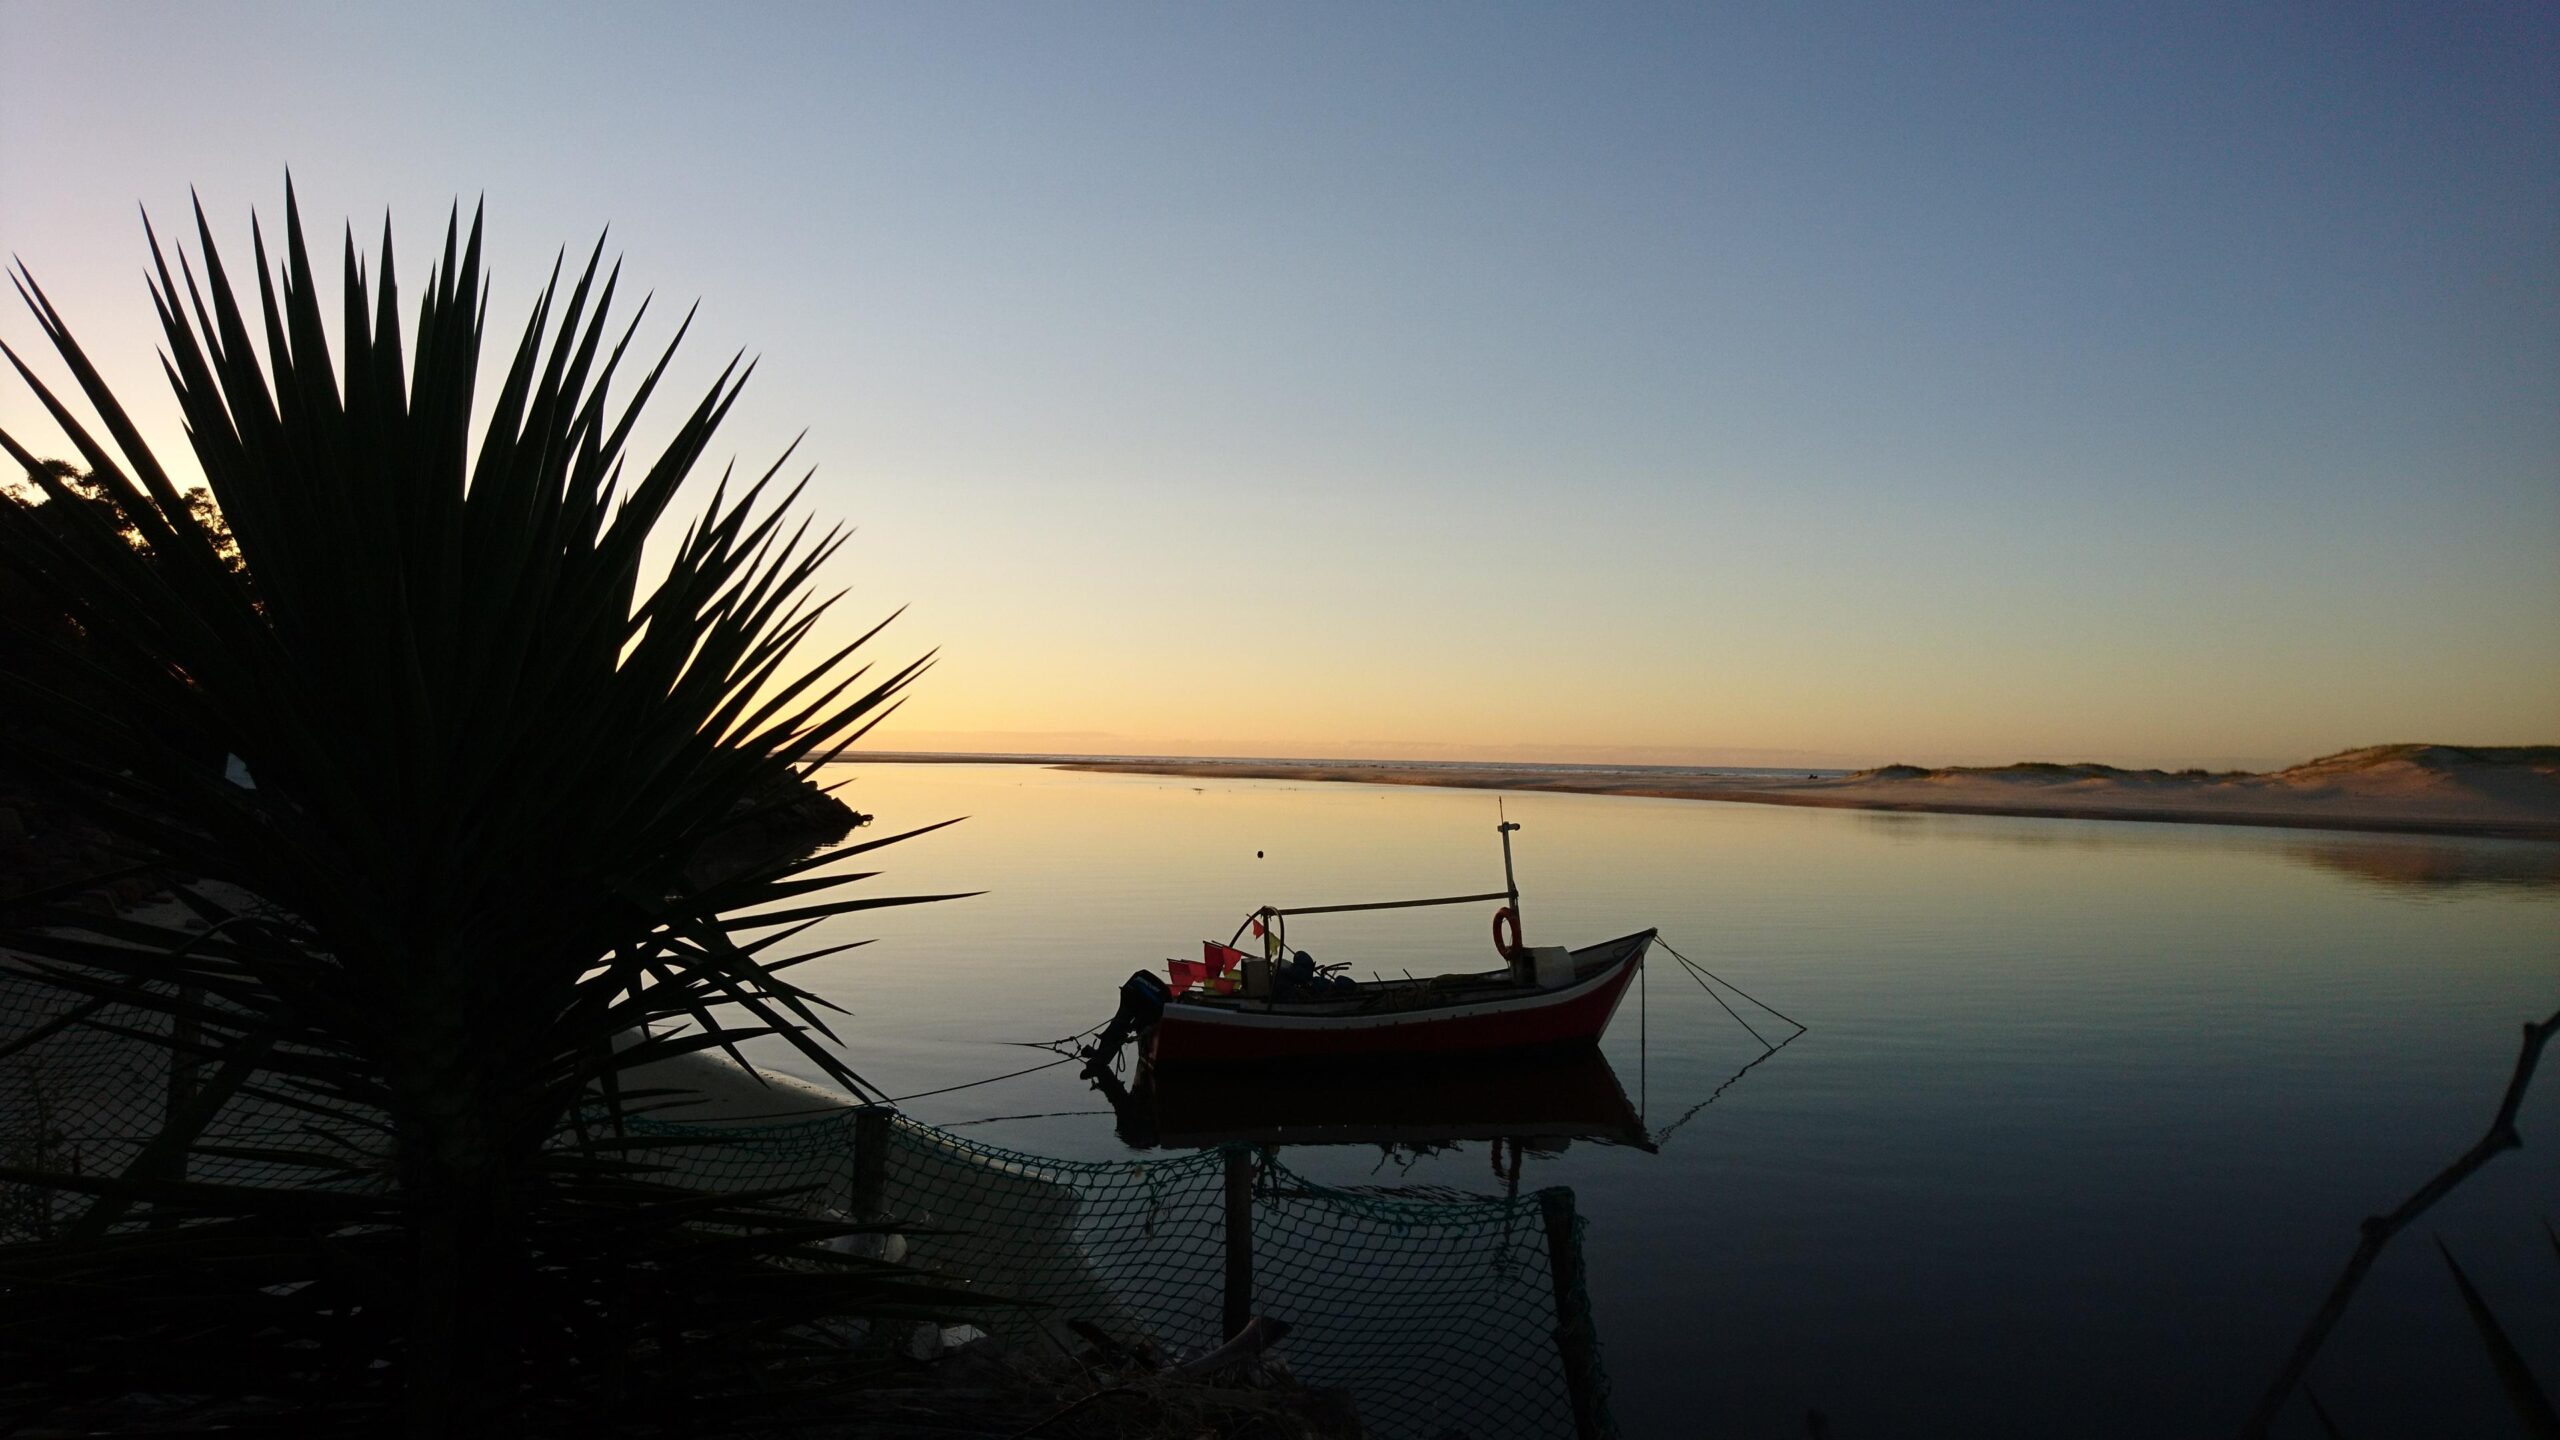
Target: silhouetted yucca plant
x=485 y=745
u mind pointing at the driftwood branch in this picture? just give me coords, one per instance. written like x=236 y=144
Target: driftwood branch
x=1259 y=1334
x=2378 y=1229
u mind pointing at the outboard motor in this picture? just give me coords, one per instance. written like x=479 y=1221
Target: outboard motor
x=1142 y=998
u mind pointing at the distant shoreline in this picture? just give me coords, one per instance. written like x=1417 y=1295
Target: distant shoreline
x=2510 y=793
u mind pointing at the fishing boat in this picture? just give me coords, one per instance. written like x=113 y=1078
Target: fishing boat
x=1231 y=1007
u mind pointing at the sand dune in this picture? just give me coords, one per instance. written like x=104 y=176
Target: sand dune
x=2511 y=791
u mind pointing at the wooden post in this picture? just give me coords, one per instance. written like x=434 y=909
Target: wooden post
x=1239 y=1311
x=870 y=1162
x=1573 y=1317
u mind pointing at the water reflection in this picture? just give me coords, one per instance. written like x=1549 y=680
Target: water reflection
x=1663 y=1136
x=2435 y=864
x=1541 y=1104
x=2085 y=1105
x=2404 y=862
x=1445 y=1312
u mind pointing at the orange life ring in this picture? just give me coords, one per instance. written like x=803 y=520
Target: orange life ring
x=1508 y=949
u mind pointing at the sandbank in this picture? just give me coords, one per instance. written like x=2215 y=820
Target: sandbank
x=2510 y=792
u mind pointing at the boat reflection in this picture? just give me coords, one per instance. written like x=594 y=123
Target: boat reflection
x=1540 y=1104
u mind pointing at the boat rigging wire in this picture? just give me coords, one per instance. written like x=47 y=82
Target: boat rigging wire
x=1289 y=911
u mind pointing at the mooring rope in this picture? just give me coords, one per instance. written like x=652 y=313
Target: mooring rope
x=1728 y=1009
x=1064 y=1046
x=990 y=1080
x=1702 y=975
x=1041 y=1115
x=1067 y=1041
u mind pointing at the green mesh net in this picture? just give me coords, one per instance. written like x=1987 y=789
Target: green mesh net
x=1442 y=1315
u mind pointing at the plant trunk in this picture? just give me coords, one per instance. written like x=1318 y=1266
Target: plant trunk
x=465 y=1333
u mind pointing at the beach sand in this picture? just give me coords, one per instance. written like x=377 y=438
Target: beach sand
x=2504 y=791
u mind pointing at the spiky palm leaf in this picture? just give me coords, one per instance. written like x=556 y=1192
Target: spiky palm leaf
x=486 y=747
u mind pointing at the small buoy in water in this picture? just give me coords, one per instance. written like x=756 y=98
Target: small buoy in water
x=1257 y=854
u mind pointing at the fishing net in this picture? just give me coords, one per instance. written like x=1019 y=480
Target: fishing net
x=86 y=1085
x=1441 y=1315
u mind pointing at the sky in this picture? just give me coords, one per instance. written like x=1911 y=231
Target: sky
x=1825 y=384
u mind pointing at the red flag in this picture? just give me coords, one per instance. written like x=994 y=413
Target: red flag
x=1184 y=974
x=1218 y=957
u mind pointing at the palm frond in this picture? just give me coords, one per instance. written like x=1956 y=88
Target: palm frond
x=489 y=742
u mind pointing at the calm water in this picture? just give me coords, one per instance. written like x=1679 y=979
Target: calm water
x=2078 y=1138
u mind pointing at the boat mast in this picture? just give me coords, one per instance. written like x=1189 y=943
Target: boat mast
x=1510 y=884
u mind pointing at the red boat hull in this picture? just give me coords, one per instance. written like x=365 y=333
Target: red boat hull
x=1574 y=1014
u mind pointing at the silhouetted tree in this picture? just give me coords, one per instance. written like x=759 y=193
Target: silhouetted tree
x=70 y=485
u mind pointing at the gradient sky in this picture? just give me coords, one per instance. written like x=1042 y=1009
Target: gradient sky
x=1811 y=384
